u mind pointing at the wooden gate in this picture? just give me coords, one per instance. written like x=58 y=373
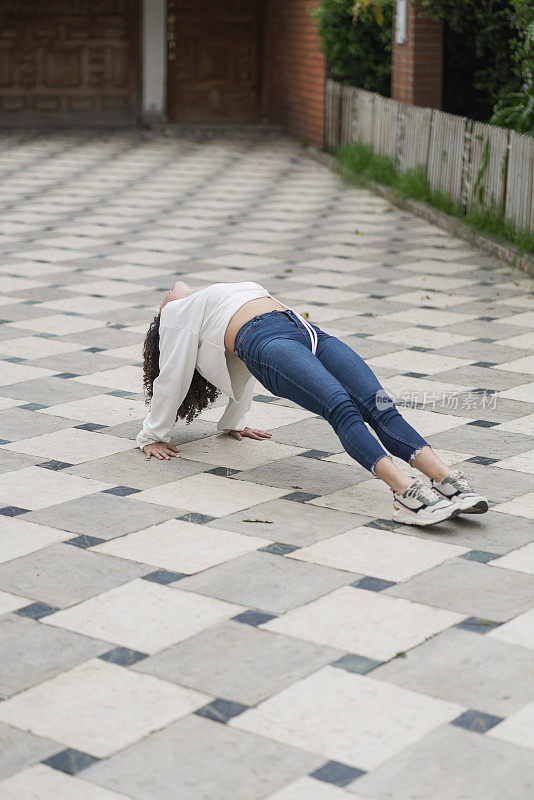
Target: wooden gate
x=68 y=62
x=214 y=60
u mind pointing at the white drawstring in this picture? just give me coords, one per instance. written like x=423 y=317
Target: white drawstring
x=311 y=331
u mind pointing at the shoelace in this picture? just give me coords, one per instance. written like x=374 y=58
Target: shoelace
x=459 y=481
x=419 y=491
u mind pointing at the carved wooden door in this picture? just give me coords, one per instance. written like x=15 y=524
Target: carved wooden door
x=214 y=60
x=68 y=61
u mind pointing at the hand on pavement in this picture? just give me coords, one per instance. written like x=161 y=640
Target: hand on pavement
x=161 y=450
x=250 y=433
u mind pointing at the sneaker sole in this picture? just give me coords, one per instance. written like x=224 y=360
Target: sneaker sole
x=412 y=520
x=479 y=508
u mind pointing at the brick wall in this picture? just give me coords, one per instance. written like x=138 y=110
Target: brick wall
x=417 y=68
x=295 y=70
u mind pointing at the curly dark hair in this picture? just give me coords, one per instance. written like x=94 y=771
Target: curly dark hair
x=201 y=392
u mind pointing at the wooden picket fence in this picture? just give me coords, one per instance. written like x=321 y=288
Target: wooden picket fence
x=476 y=165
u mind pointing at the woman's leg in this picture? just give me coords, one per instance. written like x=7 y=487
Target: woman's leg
x=377 y=407
x=288 y=369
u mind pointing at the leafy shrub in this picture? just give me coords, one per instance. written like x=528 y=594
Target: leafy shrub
x=358 y=53
x=516 y=110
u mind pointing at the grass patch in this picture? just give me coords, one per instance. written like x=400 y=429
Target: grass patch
x=357 y=163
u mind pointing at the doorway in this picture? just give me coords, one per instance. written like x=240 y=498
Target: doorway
x=214 y=55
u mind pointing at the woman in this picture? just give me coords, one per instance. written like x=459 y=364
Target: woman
x=223 y=337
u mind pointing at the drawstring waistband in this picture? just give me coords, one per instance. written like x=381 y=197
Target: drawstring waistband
x=311 y=331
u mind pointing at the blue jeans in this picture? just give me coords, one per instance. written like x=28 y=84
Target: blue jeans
x=335 y=383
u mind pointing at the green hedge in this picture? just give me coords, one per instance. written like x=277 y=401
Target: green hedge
x=357 y=53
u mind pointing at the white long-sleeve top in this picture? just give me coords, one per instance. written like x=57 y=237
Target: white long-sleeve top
x=191 y=336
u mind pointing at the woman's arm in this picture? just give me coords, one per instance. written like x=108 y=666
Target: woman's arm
x=177 y=360
x=237 y=413
x=236 y=417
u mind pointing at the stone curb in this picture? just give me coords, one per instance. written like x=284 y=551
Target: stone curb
x=489 y=244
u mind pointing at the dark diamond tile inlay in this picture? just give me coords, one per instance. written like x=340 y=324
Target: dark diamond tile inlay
x=476 y=721
x=70 y=761
x=221 y=710
x=336 y=773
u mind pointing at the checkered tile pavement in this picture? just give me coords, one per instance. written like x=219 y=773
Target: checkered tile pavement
x=246 y=622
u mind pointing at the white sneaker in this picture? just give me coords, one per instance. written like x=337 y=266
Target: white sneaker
x=456 y=488
x=421 y=505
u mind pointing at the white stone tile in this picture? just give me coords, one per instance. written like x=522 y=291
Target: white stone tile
x=224 y=451
x=430 y=422
x=372 y=498
x=522 y=506
x=40 y=782
x=9 y=301
x=225 y=275
x=145 y=258
x=242 y=260
x=332 y=279
x=522 y=341
x=517 y=729
x=303 y=789
x=105 y=287
x=9 y=402
x=347 y=717
x=432 y=282
x=15 y=284
x=84 y=305
x=422 y=390
x=99 y=707
x=339 y=264
x=10 y=602
x=15 y=373
x=524 y=425
x=321 y=295
x=127 y=378
x=524 y=319
x=131 y=352
x=131 y=272
x=32 y=269
x=58 y=324
x=381 y=554
x=36 y=347
x=428 y=316
x=425 y=297
x=103 y=409
x=368 y=623
x=519 y=301
x=522 y=462
x=523 y=365
x=322 y=314
x=71 y=445
x=524 y=392
x=519 y=630
x=75 y=242
x=34 y=488
x=181 y=546
x=413 y=361
x=421 y=337
x=440 y=254
x=264 y=415
x=53 y=254
x=210 y=494
x=521 y=559
x=18 y=538
x=144 y=615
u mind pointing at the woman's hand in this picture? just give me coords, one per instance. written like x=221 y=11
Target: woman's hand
x=250 y=433
x=161 y=450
